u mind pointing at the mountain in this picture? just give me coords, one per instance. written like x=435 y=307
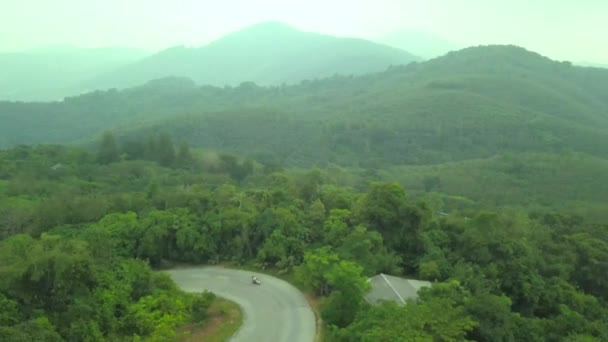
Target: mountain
x=267 y=53
x=420 y=43
x=50 y=73
x=473 y=103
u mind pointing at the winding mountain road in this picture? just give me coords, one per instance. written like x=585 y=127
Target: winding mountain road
x=275 y=311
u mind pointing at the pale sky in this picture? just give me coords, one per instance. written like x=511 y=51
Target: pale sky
x=560 y=29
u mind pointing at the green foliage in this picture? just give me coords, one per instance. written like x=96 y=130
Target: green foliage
x=184 y=156
x=348 y=286
x=108 y=151
x=58 y=288
x=474 y=103
x=199 y=305
x=79 y=239
x=524 y=180
x=9 y=311
x=313 y=272
x=341 y=281
x=37 y=329
x=165 y=150
x=433 y=320
x=468 y=135
x=385 y=209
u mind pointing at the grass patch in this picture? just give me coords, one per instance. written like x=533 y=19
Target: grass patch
x=225 y=318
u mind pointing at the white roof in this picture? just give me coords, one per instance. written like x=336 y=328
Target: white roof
x=391 y=288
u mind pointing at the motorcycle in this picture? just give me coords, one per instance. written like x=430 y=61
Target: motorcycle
x=255 y=281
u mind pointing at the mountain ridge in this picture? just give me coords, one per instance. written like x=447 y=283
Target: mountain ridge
x=473 y=103
x=266 y=53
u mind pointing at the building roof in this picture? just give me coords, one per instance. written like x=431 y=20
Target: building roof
x=57 y=166
x=391 y=288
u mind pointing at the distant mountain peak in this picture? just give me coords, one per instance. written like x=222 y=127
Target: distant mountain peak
x=511 y=49
x=499 y=48
x=262 y=31
x=497 y=59
x=498 y=52
x=268 y=53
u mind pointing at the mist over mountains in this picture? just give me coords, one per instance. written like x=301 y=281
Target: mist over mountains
x=470 y=103
x=358 y=104
x=269 y=53
x=332 y=162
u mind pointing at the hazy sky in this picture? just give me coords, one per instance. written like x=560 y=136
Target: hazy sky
x=561 y=29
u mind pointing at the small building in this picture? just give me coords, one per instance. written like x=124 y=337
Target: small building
x=390 y=288
x=57 y=166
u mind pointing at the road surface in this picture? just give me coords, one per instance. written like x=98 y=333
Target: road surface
x=272 y=312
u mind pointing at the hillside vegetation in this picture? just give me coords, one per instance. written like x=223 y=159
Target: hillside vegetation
x=473 y=103
x=572 y=183
x=323 y=160
x=483 y=127
x=79 y=228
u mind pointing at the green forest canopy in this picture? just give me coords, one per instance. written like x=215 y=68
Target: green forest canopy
x=90 y=222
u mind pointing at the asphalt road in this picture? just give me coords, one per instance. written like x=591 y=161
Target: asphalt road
x=272 y=312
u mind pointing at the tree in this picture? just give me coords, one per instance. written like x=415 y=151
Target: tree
x=184 y=155
x=382 y=209
x=343 y=281
x=275 y=248
x=49 y=275
x=433 y=320
x=349 y=285
x=230 y=165
x=335 y=197
x=367 y=249
x=336 y=227
x=115 y=234
x=166 y=151
x=151 y=148
x=309 y=185
x=38 y=329
x=315 y=217
x=385 y=209
x=9 y=311
x=313 y=271
x=134 y=150
x=108 y=151
x=496 y=321
x=591 y=263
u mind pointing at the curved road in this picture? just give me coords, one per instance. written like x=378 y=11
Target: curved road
x=275 y=311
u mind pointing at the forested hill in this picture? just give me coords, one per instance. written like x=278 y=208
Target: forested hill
x=268 y=53
x=79 y=232
x=472 y=103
